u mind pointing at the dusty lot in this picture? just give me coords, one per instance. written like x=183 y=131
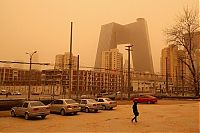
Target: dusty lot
x=166 y=116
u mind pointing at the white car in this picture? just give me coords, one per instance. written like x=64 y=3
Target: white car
x=31 y=109
x=88 y=105
x=64 y=106
x=106 y=103
x=3 y=92
x=16 y=93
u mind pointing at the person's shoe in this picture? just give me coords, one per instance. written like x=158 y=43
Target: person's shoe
x=132 y=120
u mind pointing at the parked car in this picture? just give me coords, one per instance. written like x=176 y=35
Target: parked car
x=3 y=92
x=16 y=93
x=30 y=109
x=64 y=106
x=107 y=95
x=106 y=103
x=35 y=93
x=145 y=99
x=90 y=105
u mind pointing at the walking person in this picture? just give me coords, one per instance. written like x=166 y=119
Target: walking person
x=135 y=111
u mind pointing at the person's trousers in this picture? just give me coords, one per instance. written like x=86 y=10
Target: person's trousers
x=135 y=118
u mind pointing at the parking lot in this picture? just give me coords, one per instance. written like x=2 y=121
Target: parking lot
x=165 y=116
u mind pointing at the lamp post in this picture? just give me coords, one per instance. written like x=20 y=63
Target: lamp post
x=29 y=88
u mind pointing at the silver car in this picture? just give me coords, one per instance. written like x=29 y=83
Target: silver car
x=64 y=106
x=31 y=109
x=88 y=105
x=106 y=103
x=16 y=93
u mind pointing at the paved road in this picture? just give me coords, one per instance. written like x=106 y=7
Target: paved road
x=180 y=117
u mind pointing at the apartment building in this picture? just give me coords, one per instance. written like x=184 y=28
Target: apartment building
x=173 y=59
x=90 y=82
x=17 y=77
x=169 y=61
x=62 y=61
x=112 y=60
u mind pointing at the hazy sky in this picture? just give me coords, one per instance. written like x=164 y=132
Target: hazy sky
x=44 y=25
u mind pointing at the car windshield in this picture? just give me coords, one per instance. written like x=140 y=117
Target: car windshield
x=36 y=104
x=150 y=97
x=91 y=101
x=108 y=99
x=70 y=101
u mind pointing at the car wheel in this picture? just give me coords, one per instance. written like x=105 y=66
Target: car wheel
x=43 y=116
x=75 y=113
x=86 y=110
x=62 y=112
x=13 y=113
x=26 y=116
x=96 y=110
x=111 y=108
x=104 y=107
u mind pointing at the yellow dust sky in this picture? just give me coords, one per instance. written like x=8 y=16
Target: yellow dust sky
x=44 y=25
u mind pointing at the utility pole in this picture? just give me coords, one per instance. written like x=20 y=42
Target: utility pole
x=182 y=78
x=77 y=91
x=70 y=64
x=129 y=77
x=122 y=84
x=29 y=87
x=54 y=80
x=166 y=76
x=176 y=78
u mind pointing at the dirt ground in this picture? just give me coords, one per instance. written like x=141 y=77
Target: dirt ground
x=165 y=116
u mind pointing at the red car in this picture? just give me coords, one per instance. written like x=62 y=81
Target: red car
x=145 y=99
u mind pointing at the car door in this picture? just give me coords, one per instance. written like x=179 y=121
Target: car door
x=23 y=109
x=52 y=106
x=101 y=101
x=83 y=104
x=59 y=105
x=145 y=99
x=18 y=108
x=55 y=106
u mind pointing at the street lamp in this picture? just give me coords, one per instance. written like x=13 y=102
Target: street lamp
x=29 y=88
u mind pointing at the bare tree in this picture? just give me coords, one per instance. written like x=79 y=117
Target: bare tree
x=182 y=35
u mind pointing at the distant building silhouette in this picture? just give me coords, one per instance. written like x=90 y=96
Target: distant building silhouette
x=135 y=33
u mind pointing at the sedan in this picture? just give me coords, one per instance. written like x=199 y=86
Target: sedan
x=64 y=106
x=30 y=109
x=106 y=103
x=89 y=105
x=16 y=93
x=145 y=99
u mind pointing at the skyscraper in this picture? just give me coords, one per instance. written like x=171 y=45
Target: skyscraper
x=136 y=33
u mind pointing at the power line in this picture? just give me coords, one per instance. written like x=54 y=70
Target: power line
x=19 y=62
